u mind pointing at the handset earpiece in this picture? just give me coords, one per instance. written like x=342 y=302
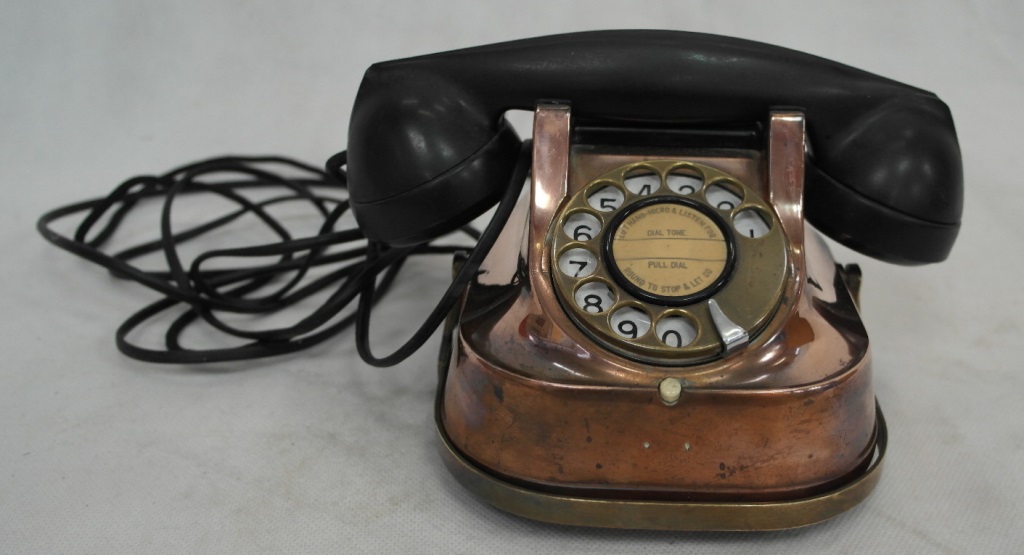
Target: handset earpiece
x=893 y=188
x=423 y=159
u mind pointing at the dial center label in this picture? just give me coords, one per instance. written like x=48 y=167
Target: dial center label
x=669 y=249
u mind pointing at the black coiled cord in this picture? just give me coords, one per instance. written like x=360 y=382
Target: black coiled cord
x=347 y=264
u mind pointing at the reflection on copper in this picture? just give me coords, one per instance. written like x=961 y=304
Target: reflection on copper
x=786 y=147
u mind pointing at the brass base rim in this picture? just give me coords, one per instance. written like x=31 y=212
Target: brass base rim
x=665 y=515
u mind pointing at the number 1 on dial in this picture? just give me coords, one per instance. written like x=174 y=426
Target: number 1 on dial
x=750 y=224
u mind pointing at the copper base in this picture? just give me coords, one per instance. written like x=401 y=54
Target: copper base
x=663 y=515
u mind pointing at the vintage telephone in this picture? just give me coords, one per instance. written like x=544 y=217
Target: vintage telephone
x=655 y=340
x=650 y=337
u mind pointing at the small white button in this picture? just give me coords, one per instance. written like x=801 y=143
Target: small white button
x=670 y=390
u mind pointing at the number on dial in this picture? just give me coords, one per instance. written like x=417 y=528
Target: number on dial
x=582 y=226
x=594 y=297
x=683 y=184
x=749 y=223
x=676 y=331
x=577 y=263
x=630 y=322
x=642 y=184
x=722 y=198
x=606 y=199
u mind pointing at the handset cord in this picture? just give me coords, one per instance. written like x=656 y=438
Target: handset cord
x=353 y=265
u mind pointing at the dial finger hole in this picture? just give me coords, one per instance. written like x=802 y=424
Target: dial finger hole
x=594 y=297
x=630 y=322
x=577 y=263
x=606 y=198
x=642 y=181
x=582 y=226
x=751 y=223
x=722 y=197
x=676 y=331
x=684 y=182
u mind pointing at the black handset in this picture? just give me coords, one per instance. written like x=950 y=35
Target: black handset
x=429 y=149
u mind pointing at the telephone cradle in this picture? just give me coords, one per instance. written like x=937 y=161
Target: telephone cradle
x=656 y=339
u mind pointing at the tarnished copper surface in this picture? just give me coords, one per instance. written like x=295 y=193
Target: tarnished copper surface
x=534 y=401
x=719 y=444
x=675 y=514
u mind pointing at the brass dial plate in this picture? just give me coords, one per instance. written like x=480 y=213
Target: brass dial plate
x=640 y=251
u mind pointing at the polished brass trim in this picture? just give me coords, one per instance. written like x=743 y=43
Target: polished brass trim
x=748 y=291
x=664 y=515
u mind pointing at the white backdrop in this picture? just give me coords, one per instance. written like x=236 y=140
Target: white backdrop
x=317 y=452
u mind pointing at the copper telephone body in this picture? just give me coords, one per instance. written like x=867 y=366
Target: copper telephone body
x=541 y=421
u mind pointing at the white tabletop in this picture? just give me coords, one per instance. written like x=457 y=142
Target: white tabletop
x=317 y=452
